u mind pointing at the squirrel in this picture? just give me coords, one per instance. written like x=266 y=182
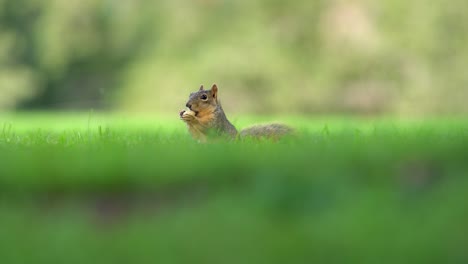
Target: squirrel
x=205 y=117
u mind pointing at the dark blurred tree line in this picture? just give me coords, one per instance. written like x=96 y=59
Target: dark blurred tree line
x=62 y=54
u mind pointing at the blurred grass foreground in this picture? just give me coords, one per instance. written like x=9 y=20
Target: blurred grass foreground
x=110 y=189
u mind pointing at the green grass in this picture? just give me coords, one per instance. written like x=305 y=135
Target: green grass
x=93 y=188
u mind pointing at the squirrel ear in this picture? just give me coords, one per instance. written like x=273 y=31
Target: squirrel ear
x=214 y=90
x=201 y=87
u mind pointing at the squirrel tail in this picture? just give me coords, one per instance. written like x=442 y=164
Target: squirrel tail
x=274 y=131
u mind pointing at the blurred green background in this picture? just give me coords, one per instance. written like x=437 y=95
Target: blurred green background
x=86 y=176
x=267 y=56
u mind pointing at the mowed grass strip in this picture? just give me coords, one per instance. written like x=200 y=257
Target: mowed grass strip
x=95 y=151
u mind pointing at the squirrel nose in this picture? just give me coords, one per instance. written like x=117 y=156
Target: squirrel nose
x=188 y=105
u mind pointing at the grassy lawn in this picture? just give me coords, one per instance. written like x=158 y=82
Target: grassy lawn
x=94 y=188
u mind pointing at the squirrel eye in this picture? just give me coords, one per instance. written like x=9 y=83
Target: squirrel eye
x=204 y=97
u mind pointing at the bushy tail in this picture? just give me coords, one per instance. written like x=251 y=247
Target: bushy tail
x=274 y=131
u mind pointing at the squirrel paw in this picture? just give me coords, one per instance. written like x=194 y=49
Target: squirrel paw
x=187 y=115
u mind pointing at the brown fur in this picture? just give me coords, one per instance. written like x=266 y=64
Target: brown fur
x=205 y=114
x=198 y=125
x=274 y=131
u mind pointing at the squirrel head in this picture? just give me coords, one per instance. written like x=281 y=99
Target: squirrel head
x=203 y=100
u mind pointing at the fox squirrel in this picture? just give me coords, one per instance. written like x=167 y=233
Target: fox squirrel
x=204 y=116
